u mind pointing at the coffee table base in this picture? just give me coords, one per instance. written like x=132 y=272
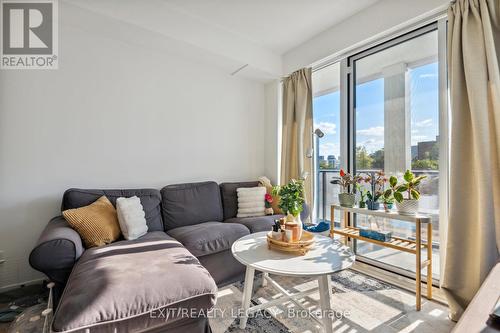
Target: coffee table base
x=325 y=292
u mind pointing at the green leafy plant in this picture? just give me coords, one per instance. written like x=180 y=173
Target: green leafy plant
x=388 y=199
x=291 y=196
x=409 y=186
x=362 y=191
x=389 y=193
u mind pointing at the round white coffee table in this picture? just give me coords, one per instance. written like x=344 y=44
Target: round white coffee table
x=327 y=256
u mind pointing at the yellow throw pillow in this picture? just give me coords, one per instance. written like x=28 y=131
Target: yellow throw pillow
x=96 y=223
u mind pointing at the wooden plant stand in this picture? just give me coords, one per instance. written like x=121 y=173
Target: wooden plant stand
x=395 y=243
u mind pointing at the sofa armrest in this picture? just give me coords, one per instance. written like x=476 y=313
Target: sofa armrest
x=57 y=250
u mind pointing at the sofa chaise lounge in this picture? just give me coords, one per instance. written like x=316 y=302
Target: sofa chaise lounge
x=141 y=285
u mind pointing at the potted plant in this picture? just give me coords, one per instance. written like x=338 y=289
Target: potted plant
x=389 y=193
x=376 y=180
x=388 y=201
x=347 y=183
x=291 y=200
x=362 y=193
x=409 y=187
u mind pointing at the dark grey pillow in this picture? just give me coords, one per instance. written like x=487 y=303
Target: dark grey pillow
x=191 y=203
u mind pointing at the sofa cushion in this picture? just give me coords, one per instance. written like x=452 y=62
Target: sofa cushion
x=257 y=223
x=132 y=283
x=150 y=200
x=192 y=203
x=209 y=237
x=96 y=223
x=230 y=197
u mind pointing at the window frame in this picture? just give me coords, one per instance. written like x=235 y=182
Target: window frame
x=347 y=115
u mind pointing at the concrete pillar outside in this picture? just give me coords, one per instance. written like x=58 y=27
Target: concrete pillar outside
x=397 y=135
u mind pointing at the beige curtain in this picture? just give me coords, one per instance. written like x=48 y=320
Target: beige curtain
x=297 y=129
x=473 y=237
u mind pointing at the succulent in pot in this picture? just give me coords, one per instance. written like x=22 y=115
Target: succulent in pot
x=406 y=194
x=347 y=182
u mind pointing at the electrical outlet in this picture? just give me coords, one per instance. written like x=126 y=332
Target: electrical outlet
x=2 y=257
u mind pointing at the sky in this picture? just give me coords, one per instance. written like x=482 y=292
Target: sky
x=423 y=96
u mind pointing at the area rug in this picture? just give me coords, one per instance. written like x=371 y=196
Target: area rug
x=360 y=304
x=26 y=302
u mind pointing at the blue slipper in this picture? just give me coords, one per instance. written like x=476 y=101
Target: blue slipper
x=320 y=227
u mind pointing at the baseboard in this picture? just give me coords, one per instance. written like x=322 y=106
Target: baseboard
x=21 y=284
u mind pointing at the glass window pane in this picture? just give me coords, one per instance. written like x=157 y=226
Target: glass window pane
x=396 y=128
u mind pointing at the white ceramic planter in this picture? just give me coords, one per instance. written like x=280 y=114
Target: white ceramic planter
x=407 y=207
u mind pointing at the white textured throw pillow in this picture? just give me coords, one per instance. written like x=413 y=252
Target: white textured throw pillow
x=251 y=201
x=131 y=217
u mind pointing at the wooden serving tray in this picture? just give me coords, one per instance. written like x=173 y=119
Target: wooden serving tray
x=301 y=247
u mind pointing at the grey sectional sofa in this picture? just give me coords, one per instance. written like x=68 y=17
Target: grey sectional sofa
x=135 y=285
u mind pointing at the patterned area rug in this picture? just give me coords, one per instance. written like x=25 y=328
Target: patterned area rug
x=20 y=304
x=360 y=304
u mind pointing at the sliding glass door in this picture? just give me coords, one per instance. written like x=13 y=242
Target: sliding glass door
x=394 y=120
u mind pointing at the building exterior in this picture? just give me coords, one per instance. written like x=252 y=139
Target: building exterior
x=332 y=162
x=426 y=149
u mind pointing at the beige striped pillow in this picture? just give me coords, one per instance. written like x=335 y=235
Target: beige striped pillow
x=96 y=223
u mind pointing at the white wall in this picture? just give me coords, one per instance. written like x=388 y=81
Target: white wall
x=272 y=129
x=357 y=29
x=123 y=110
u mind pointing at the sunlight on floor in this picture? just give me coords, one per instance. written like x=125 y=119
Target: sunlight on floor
x=224 y=292
x=369 y=307
x=412 y=327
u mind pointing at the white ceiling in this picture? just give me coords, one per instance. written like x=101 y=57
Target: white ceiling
x=230 y=33
x=278 y=25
